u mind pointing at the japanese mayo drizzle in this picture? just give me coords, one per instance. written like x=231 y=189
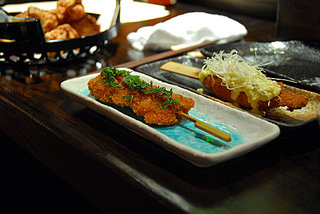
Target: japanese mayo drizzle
x=238 y=75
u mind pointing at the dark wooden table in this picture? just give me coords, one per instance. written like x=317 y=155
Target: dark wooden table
x=121 y=172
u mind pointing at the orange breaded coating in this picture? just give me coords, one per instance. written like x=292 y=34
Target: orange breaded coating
x=286 y=98
x=142 y=104
x=48 y=19
x=292 y=100
x=64 y=31
x=70 y=10
x=23 y=15
x=86 y=26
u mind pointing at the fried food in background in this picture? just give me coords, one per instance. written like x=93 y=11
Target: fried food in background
x=86 y=25
x=70 y=10
x=49 y=20
x=69 y=20
x=64 y=31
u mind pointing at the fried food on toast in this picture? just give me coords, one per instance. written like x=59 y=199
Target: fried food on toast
x=233 y=79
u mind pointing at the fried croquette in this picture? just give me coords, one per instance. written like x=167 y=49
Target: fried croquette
x=233 y=79
x=286 y=98
x=151 y=106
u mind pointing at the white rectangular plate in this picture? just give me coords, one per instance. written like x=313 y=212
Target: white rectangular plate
x=194 y=145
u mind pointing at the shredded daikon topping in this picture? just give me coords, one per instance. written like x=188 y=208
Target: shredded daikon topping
x=239 y=75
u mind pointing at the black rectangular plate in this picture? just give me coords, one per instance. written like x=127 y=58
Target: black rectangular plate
x=153 y=69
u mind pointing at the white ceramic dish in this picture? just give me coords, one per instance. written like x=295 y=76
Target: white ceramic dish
x=196 y=146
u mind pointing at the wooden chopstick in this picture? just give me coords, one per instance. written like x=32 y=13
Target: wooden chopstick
x=207 y=128
x=162 y=55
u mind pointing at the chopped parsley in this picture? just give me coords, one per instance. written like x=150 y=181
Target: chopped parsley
x=122 y=78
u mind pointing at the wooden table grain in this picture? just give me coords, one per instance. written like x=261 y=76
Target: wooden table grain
x=122 y=172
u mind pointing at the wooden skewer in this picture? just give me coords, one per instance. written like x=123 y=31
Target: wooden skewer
x=207 y=128
x=182 y=69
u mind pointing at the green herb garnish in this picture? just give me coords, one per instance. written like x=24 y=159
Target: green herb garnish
x=122 y=78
